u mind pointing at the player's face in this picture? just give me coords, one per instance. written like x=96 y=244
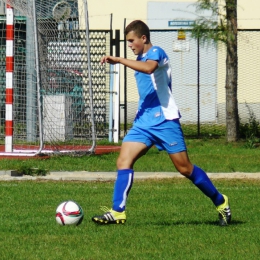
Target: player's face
x=136 y=43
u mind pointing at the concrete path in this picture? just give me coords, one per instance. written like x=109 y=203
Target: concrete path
x=105 y=176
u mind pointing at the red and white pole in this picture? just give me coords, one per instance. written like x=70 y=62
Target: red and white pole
x=9 y=78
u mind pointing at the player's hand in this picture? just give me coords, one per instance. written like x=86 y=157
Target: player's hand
x=110 y=60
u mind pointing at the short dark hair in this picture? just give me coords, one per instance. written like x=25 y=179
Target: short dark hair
x=139 y=28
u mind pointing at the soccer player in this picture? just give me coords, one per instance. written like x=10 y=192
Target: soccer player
x=156 y=123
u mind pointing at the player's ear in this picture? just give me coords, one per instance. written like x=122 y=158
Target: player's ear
x=144 y=39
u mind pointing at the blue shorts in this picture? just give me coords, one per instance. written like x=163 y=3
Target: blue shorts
x=167 y=136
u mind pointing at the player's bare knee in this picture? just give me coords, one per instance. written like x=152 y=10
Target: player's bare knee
x=119 y=163
x=123 y=163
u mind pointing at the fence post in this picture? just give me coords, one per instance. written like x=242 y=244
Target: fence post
x=117 y=108
x=198 y=86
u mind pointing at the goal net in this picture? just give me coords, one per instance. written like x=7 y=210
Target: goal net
x=57 y=78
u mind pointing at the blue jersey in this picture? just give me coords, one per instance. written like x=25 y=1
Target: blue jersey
x=156 y=102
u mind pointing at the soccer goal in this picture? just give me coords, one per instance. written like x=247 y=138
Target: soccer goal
x=52 y=78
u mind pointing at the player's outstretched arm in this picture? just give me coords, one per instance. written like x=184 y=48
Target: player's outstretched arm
x=146 y=67
x=110 y=59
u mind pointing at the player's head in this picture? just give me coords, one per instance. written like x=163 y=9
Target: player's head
x=138 y=37
x=139 y=28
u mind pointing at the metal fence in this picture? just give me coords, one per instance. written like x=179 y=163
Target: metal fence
x=198 y=75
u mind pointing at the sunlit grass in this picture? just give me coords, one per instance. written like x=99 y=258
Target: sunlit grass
x=166 y=219
x=213 y=155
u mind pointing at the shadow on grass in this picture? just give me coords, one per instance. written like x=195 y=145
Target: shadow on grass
x=193 y=223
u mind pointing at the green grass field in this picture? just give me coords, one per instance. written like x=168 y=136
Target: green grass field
x=213 y=155
x=166 y=219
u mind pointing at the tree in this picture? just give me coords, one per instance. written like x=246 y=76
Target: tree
x=222 y=27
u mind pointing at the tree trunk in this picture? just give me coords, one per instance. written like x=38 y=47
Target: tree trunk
x=232 y=118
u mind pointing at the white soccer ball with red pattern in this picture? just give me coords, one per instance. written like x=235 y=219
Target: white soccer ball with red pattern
x=69 y=213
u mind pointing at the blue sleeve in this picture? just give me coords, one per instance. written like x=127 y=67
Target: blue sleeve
x=155 y=53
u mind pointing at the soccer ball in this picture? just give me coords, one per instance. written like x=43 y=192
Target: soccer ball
x=69 y=213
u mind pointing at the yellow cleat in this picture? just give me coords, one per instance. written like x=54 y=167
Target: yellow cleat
x=224 y=212
x=110 y=217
